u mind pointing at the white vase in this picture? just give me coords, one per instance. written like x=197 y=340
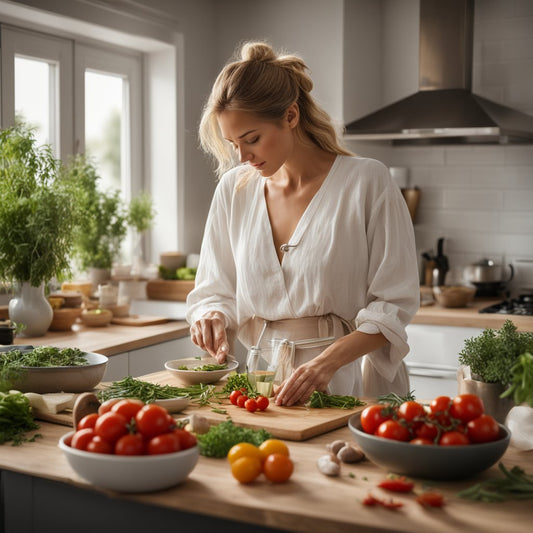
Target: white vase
x=31 y=309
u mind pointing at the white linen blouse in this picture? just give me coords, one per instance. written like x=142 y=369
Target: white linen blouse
x=352 y=254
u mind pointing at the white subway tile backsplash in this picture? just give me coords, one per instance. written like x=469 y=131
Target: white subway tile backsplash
x=482 y=200
x=519 y=200
x=520 y=155
x=474 y=155
x=517 y=222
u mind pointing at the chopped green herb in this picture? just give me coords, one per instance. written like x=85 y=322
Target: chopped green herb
x=16 y=418
x=319 y=400
x=204 y=368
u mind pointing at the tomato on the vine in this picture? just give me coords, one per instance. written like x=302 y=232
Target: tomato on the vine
x=440 y=404
x=411 y=411
x=466 y=407
x=372 y=416
x=152 y=420
x=111 y=426
x=427 y=431
x=391 y=429
x=422 y=441
x=484 y=428
x=233 y=397
x=241 y=400
x=128 y=408
x=453 y=438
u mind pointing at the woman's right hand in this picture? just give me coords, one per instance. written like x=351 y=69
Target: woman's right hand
x=209 y=333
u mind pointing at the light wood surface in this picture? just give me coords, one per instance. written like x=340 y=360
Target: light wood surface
x=309 y=502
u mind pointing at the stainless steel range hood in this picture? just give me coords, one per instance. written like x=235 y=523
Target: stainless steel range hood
x=444 y=110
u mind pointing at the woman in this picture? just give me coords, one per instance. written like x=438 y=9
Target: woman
x=303 y=242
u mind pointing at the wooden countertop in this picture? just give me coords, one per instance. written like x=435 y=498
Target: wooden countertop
x=310 y=501
x=470 y=316
x=112 y=339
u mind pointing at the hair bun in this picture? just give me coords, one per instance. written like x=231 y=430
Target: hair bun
x=257 y=51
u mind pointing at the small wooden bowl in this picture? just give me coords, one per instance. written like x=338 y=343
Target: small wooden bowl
x=162 y=289
x=64 y=318
x=454 y=295
x=96 y=317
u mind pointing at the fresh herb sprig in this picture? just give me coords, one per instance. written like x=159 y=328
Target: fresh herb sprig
x=15 y=418
x=320 y=400
x=237 y=381
x=521 y=387
x=204 y=368
x=514 y=485
x=130 y=387
x=395 y=400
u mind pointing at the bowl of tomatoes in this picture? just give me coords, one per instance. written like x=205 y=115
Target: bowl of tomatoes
x=130 y=447
x=448 y=439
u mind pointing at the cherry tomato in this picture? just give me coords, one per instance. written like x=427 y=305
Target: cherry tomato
x=391 y=429
x=130 y=444
x=163 y=443
x=278 y=467
x=430 y=499
x=234 y=396
x=99 y=445
x=411 y=411
x=372 y=416
x=251 y=405
x=106 y=406
x=186 y=438
x=422 y=440
x=270 y=446
x=81 y=438
x=440 y=404
x=241 y=400
x=88 y=421
x=453 y=438
x=243 y=449
x=427 y=431
x=262 y=402
x=152 y=420
x=484 y=428
x=246 y=469
x=128 y=408
x=397 y=484
x=466 y=407
x=111 y=426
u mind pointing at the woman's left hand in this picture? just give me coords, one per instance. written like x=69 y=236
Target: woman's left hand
x=306 y=379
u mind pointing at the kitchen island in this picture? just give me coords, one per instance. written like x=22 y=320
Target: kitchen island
x=41 y=493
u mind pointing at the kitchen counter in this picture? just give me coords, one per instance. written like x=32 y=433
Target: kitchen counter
x=211 y=498
x=470 y=316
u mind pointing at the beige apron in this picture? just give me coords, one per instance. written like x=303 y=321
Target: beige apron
x=287 y=344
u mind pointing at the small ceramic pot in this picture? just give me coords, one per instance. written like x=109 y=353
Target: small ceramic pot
x=7 y=334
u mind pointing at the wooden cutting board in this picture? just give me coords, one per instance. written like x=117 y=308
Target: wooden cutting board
x=139 y=320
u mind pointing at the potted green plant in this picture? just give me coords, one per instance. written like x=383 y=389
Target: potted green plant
x=38 y=214
x=495 y=367
x=103 y=225
x=140 y=218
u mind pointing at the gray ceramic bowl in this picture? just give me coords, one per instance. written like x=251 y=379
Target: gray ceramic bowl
x=427 y=461
x=61 y=378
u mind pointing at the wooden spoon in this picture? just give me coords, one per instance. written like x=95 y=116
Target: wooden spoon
x=86 y=404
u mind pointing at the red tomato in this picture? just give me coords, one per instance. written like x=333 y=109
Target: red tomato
x=278 y=467
x=453 y=438
x=391 y=429
x=411 y=411
x=440 y=404
x=234 y=396
x=152 y=420
x=111 y=426
x=430 y=499
x=164 y=443
x=484 y=428
x=241 y=400
x=128 y=408
x=262 y=402
x=186 y=439
x=427 y=431
x=372 y=416
x=88 y=421
x=99 y=445
x=81 y=438
x=397 y=484
x=422 y=440
x=466 y=407
x=106 y=406
x=251 y=405
x=130 y=444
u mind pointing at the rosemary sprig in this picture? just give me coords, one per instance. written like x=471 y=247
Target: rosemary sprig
x=319 y=400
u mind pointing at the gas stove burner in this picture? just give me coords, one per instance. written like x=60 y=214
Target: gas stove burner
x=522 y=305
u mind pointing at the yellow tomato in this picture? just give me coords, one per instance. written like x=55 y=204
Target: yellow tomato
x=270 y=446
x=244 y=449
x=245 y=469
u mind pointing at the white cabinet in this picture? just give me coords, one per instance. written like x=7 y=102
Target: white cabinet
x=117 y=367
x=433 y=359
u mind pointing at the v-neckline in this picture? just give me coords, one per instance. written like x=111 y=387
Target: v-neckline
x=306 y=217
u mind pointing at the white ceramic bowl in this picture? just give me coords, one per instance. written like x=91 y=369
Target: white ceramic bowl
x=429 y=461
x=193 y=377
x=139 y=473
x=61 y=378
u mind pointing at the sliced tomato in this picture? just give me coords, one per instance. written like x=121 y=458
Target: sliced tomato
x=397 y=484
x=430 y=499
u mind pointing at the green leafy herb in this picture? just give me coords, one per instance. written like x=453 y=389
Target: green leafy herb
x=395 y=400
x=237 y=381
x=521 y=388
x=514 y=485
x=320 y=400
x=218 y=441
x=130 y=387
x=204 y=368
x=493 y=354
x=15 y=418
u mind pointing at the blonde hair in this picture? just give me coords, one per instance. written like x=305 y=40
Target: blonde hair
x=267 y=84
